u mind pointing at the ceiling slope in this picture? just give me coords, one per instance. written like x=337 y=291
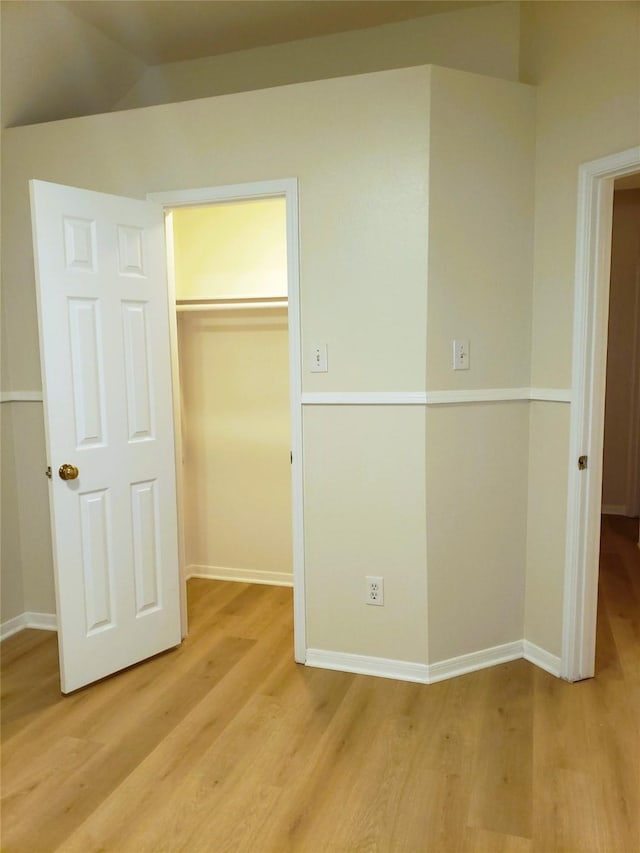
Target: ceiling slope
x=55 y=66
x=66 y=58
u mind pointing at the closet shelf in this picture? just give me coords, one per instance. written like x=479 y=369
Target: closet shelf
x=231 y=303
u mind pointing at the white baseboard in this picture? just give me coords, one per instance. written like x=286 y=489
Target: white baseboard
x=365 y=665
x=439 y=671
x=359 y=664
x=614 y=509
x=541 y=657
x=220 y=573
x=474 y=660
x=28 y=619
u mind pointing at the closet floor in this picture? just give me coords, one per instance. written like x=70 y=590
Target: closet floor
x=226 y=744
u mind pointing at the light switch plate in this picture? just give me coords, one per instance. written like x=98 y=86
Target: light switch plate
x=319 y=362
x=460 y=354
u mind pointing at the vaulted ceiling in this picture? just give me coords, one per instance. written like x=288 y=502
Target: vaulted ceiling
x=166 y=31
x=63 y=58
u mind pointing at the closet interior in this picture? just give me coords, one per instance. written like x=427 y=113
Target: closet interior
x=230 y=266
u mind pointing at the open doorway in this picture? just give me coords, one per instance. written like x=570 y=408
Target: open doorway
x=591 y=312
x=230 y=268
x=233 y=271
x=620 y=538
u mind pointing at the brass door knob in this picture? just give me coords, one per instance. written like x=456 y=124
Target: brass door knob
x=68 y=472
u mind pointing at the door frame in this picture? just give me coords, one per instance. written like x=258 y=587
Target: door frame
x=589 y=363
x=286 y=188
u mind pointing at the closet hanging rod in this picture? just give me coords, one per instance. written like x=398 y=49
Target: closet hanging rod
x=231 y=303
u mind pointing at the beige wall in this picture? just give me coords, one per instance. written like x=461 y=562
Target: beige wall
x=54 y=64
x=12 y=598
x=546 y=523
x=621 y=434
x=480 y=230
x=479 y=288
x=359 y=148
x=476 y=472
x=482 y=40
x=231 y=249
x=27 y=581
x=365 y=510
x=237 y=474
x=376 y=482
x=584 y=59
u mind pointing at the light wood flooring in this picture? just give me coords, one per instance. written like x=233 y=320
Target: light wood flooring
x=226 y=745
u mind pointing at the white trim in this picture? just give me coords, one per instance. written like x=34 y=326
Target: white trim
x=212 y=307
x=550 y=395
x=541 y=657
x=365 y=665
x=227 y=192
x=475 y=660
x=295 y=393
x=20 y=396
x=364 y=398
x=592 y=272
x=434 y=398
x=177 y=417
x=287 y=188
x=378 y=398
x=477 y=395
x=220 y=573
x=28 y=619
x=12 y=626
x=614 y=509
x=439 y=671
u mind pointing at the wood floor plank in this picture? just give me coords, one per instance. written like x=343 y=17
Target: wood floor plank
x=225 y=744
x=503 y=770
x=161 y=788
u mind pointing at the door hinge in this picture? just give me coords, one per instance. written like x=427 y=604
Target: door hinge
x=583 y=461
x=291 y=456
x=48 y=472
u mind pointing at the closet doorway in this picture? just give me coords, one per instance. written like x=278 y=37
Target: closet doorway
x=234 y=282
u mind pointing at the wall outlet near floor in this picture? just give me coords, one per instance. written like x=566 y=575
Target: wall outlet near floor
x=375 y=590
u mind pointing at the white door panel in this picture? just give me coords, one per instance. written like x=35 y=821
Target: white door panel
x=106 y=364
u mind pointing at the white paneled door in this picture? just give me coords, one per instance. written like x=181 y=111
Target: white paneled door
x=106 y=366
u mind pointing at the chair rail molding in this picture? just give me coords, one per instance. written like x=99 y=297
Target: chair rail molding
x=20 y=396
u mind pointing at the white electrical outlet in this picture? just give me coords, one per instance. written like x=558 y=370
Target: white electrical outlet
x=375 y=590
x=460 y=354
